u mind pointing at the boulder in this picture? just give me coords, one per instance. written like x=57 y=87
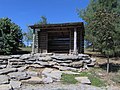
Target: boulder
x=19 y=76
x=83 y=80
x=7 y=70
x=47 y=80
x=33 y=80
x=15 y=84
x=4 y=79
x=6 y=87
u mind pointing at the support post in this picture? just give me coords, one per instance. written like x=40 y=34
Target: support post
x=70 y=43
x=33 y=42
x=75 y=41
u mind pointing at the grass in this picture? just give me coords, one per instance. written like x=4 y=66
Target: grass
x=70 y=79
x=29 y=49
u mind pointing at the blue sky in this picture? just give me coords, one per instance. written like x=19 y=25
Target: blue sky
x=27 y=12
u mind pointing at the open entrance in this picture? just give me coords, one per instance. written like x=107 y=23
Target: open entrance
x=59 y=42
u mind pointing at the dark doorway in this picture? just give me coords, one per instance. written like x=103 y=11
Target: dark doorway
x=59 y=42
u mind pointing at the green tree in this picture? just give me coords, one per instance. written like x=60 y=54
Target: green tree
x=28 y=36
x=11 y=36
x=43 y=20
x=102 y=26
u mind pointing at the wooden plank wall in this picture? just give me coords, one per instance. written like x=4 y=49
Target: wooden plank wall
x=43 y=41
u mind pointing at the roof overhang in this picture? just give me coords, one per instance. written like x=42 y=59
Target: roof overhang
x=60 y=25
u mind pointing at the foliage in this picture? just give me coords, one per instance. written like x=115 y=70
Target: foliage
x=28 y=36
x=10 y=35
x=43 y=20
x=102 y=25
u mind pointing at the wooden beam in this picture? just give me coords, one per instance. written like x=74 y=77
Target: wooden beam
x=33 y=42
x=75 y=41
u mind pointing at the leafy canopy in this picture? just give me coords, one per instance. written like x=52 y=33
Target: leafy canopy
x=10 y=36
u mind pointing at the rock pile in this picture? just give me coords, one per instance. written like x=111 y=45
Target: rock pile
x=13 y=68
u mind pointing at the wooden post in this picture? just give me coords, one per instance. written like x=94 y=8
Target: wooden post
x=70 y=43
x=75 y=41
x=33 y=42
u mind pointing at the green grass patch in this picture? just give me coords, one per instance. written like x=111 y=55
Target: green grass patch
x=29 y=49
x=70 y=79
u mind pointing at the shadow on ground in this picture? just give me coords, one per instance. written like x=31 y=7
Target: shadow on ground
x=113 y=67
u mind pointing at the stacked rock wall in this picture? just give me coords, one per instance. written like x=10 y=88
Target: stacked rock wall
x=60 y=61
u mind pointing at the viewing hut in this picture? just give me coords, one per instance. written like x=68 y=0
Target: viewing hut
x=58 y=38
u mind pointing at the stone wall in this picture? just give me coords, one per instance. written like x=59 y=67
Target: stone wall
x=59 y=61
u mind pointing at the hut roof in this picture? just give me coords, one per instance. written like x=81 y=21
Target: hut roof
x=59 y=25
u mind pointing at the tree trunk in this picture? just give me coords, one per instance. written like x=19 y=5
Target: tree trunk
x=108 y=64
x=93 y=48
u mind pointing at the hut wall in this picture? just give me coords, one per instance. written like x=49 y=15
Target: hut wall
x=42 y=42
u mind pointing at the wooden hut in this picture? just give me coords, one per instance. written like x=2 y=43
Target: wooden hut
x=58 y=38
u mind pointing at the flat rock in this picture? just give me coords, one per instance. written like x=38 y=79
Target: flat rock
x=76 y=64
x=42 y=63
x=15 y=84
x=93 y=59
x=70 y=72
x=7 y=70
x=51 y=63
x=20 y=69
x=36 y=66
x=19 y=75
x=15 y=60
x=62 y=61
x=55 y=75
x=65 y=68
x=5 y=57
x=25 y=56
x=88 y=61
x=33 y=80
x=47 y=58
x=6 y=87
x=83 y=80
x=15 y=56
x=3 y=66
x=47 y=70
x=4 y=79
x=65 y=57
x=32 y=73
x=47 y=80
